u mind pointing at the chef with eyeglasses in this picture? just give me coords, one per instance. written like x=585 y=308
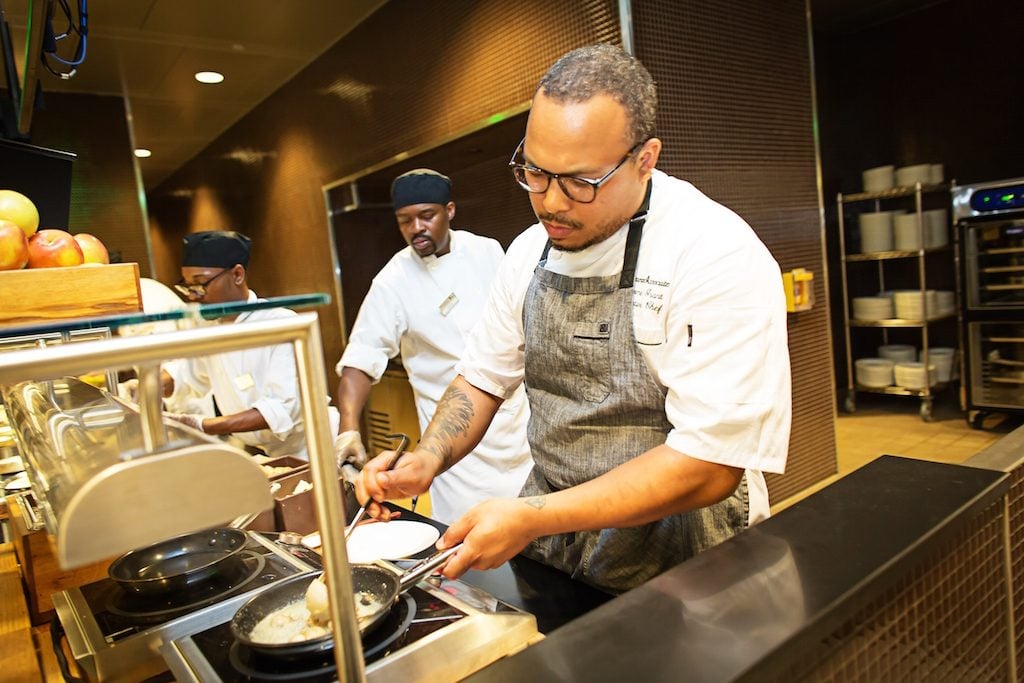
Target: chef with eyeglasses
x=648 y=324
x=256 y=390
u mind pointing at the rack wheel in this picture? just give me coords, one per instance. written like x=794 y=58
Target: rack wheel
x=976 y=419
x=926 y=409
x=850 y=404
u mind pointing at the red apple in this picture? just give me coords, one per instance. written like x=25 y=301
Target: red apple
x=92 y=249
x=53 y=248
x=17 y=208
x=13 y=246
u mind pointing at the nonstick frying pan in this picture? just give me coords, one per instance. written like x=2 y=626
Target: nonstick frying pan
x=178 y=563
x=377 y=587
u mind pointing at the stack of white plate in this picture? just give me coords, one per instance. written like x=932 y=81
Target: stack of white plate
x=875 y=231
x=945 y=301
x=936 y=232
x=907 y=176
x=907 y=232
x=942 y=358
x=872 y=307
x=910 y=305
x=874 y=372
x=911 y=375
x=879 y=178
x=936 y=173
x=897 y=352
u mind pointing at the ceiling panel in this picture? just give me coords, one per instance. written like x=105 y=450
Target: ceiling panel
x=149 y=51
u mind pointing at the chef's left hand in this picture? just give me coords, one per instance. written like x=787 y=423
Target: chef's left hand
x=491 y=533
x=189 y=420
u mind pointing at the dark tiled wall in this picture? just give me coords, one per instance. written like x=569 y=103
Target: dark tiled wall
x=736 y=117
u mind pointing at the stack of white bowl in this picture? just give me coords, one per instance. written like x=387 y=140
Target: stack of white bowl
x=875 y=373
x=872 y=308
x=936 y=231
x=897 y=352
x=907 y=232
x=875 y=231
x=910 y=305
x=911 y=375
x=945 y=301
x=879 y=179
x=942 y=358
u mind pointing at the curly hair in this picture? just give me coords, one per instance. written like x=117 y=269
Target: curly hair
x=605 y=70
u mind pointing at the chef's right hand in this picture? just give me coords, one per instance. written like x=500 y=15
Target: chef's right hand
x=410 y=477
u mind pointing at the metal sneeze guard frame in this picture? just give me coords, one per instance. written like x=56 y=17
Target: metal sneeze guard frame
x=303 y=333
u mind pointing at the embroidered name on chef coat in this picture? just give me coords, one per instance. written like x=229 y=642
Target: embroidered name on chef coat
x=244 y=382
x=448 y=304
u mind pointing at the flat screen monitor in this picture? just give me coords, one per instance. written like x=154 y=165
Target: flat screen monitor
x=43 y=175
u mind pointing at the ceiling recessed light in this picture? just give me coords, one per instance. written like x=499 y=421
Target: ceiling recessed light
x=143 y=153
x=209 y=77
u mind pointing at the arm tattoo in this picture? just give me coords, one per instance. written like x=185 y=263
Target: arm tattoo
x=451 y=420
x=536 y=502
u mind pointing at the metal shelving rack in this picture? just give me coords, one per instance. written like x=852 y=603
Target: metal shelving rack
x=918 y=257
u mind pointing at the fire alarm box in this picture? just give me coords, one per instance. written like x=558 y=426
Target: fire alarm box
x=799 y=286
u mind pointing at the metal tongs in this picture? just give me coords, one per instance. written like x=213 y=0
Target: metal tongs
x=399 y=452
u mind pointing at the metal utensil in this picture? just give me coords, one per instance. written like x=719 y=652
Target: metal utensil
x=399 y=452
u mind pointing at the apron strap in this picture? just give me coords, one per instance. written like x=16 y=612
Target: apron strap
x=636 y=229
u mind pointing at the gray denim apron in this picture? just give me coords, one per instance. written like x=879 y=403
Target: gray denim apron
x=593 y=406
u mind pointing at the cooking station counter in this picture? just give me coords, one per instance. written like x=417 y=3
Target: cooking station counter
x=766 y=602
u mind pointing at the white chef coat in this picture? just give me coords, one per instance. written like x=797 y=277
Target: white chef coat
x=423 y=308
x=264 y=378
x=709 y=316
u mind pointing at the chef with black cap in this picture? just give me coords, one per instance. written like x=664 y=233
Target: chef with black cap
x=422 y=305
x=256 y=390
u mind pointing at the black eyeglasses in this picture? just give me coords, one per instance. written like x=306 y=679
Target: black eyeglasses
x=197 y=290
x=583 y=190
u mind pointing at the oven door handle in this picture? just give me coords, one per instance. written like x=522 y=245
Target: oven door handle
x=57 y=637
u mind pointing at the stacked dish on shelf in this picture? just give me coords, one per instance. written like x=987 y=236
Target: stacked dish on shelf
x=882 y=178
x=942 y=359
x=874 y=373
x=911 y=375
x=903 y=304
x=872 y=308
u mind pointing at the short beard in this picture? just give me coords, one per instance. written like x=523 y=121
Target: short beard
x=604 y=231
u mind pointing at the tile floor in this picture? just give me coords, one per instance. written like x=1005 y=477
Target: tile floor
x=892 y=425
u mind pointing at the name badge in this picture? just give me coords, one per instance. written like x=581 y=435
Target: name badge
x=244 y=382
x=448 y=304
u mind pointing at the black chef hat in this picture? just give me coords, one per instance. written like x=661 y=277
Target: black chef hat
x=216 y=249
x=420 y=186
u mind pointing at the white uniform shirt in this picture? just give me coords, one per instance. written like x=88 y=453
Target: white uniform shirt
x=709 y=315
x=263 y=378
x=424 y=308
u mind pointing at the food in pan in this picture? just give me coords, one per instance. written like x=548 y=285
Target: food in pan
x=293 y=623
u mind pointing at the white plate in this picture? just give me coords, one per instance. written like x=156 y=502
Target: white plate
x=20 y=483
x=11 y=465
x=384 y=540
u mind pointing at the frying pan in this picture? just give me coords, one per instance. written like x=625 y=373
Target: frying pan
x=380 y=587
x=179 y=562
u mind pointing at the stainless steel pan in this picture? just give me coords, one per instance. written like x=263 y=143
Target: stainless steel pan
x=378 y=589
x=178 y=563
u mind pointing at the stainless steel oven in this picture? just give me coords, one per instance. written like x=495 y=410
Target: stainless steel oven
x=990 y=253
